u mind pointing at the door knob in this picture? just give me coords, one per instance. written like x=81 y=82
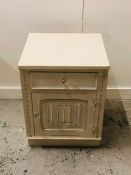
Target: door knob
x=36 y=114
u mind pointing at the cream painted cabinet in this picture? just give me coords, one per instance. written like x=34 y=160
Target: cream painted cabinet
x=63 y=79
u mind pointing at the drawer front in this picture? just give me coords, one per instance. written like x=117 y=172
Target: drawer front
x=40 y=80
x=64 y=114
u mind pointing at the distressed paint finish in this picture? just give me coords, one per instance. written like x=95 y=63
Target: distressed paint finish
x=64 y=99
x=56 y=113
x=24 y=76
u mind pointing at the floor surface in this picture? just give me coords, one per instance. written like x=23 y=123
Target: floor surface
x=17 y=158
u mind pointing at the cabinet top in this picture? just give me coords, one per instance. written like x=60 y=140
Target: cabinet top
x=64 y=51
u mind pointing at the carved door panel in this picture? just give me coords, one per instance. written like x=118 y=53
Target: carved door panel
x=64 y=114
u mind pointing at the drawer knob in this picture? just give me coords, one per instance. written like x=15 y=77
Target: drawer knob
x=63 y=80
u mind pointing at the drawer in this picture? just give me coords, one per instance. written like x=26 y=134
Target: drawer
x=41 y=80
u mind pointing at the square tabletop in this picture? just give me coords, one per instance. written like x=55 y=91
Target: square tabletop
x=64 y=50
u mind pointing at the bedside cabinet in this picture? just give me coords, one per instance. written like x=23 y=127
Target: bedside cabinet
x=63 y=79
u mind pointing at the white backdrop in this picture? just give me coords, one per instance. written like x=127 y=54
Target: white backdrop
x=113 y=19
x=110 y=17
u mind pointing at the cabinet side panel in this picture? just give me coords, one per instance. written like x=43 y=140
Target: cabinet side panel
x=27 y=104
x=101 y=104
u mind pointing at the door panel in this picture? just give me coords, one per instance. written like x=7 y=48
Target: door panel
x=64 y=114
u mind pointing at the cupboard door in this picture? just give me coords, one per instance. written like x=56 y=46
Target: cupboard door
x=64 y=114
